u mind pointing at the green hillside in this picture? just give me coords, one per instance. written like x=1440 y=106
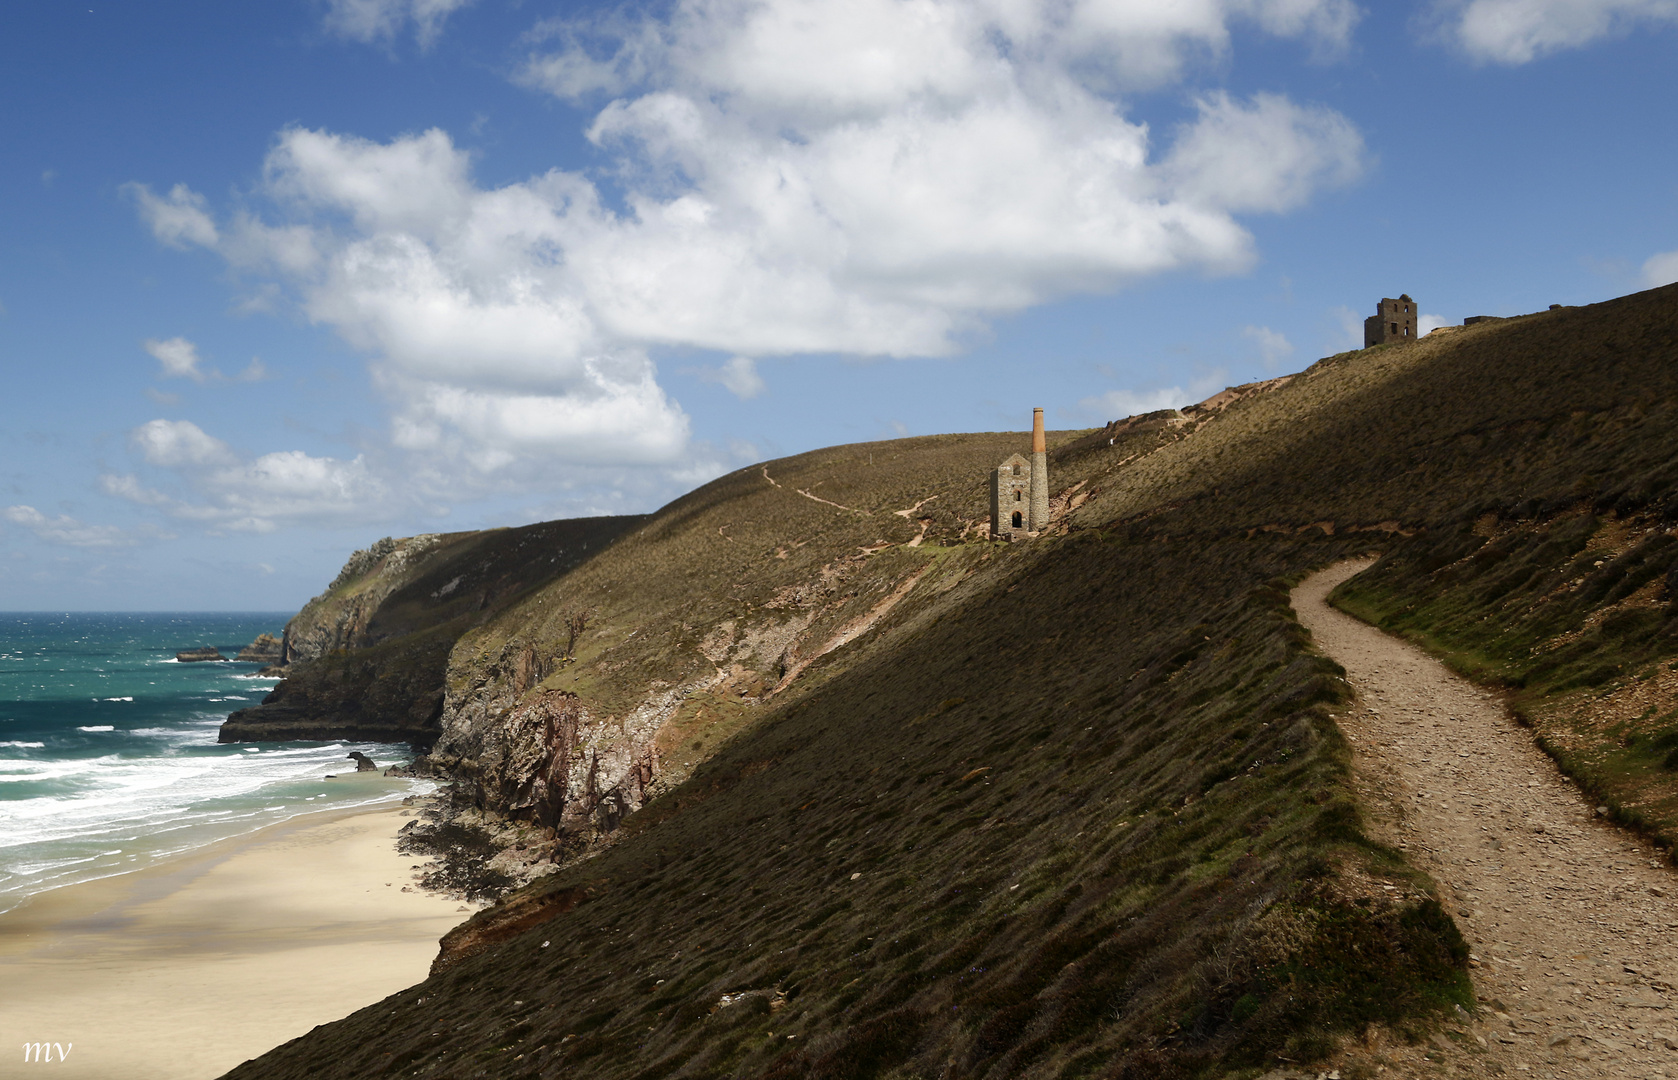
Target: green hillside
x=1064 y=808
x=367 y=658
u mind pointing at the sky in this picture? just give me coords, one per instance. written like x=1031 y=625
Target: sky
x=281 y=279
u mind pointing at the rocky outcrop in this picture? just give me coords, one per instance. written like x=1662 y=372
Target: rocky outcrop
x=506 y=920
x=367 y=658
x=363 y=763
x=266 y=649
x=558 y=765
x=339 y=617
x=199 y=655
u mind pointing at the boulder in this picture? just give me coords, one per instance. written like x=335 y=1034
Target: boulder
x=198 y=655
x=363 y=763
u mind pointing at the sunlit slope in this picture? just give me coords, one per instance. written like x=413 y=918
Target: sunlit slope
x=736 y=594
x=1073 y=807
x=376 y=643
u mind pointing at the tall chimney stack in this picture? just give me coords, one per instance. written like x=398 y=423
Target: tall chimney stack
x=1039 y=473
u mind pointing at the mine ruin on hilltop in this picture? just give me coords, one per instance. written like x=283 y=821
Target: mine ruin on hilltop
x=1019 y=490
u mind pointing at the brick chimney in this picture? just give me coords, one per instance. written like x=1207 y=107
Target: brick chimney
x=1039 y=473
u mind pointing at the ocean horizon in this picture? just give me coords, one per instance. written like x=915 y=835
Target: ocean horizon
x=108 y=753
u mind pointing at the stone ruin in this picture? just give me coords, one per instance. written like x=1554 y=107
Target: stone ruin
x=1019 y=489
x=1393 y=321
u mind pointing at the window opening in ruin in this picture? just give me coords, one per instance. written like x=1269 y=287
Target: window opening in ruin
x=1017 y=496
x=1018 y=519
x=1395 y=328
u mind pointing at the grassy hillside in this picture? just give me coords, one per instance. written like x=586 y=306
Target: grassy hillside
x=1073 y=807
x=1562 y=589
x=368 y=657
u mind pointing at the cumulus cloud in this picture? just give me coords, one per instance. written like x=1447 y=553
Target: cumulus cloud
x=1427 y=324
x=1348 y=329
x=1267 y=154
x=180 y=218
x=1273 y=346
x=787 y=177
x=178 y=356
x=385 y=20
x=231 y=492
x=1660 y=269
x=1520 y=31
x=738 y=376
x=1118 y=404
x=174 y=443
x=180 y=360
x=66 y=530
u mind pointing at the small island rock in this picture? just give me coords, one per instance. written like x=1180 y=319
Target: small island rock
x=193 y=656
x=363 y=763
x=265 y=649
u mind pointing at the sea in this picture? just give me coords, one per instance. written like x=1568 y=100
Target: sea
x=108 y=753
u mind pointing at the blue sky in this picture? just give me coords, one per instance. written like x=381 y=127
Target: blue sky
x=281 y=279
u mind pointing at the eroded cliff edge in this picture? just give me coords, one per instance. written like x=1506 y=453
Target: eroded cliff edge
x=367 y=658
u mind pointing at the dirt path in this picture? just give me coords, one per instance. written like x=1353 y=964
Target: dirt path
x=1572 y=922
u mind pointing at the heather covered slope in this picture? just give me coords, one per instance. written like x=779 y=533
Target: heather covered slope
x=366 y=659
x=1074 y=807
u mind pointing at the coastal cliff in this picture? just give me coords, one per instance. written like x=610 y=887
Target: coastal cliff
x=367 y=658
x=822 y=782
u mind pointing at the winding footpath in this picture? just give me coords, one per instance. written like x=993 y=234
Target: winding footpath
x=1572 y=922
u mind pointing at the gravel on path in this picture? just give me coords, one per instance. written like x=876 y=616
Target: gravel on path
x=1572 y=921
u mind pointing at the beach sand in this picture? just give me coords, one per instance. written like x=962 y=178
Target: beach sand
x=185 y=969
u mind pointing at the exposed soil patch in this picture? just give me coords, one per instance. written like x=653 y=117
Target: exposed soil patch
x=1570 y=918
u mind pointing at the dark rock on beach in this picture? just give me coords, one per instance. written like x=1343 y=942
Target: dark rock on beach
x=363 y=763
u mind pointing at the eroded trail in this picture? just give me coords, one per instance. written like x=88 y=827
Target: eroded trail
x=1572 y=921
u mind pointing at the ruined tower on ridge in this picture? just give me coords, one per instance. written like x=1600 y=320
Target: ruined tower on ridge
x=1019 y=489
x=1394 y=320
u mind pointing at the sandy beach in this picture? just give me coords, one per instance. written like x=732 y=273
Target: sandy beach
x=184 y=970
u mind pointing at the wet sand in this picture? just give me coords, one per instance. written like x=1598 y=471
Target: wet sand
x=184 y=970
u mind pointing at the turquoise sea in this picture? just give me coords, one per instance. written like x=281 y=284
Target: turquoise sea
x=108 y=753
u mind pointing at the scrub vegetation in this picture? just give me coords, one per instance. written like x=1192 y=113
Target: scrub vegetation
x=1075 y=807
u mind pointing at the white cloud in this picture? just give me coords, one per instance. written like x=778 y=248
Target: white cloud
x=180 y=360
x=1265 y=155
x=179 y=219
x=384 y=20
x=66 y=530
x=129 y=487
x=1272 y=345
x=1348 y=330
x=1519 y=31
x=738 y=375
x=791 y=176
x=1660 y=269
x=1119 y=404
x=1427 y=324
x=256 y=495
x=174 y=443
x=178 y=356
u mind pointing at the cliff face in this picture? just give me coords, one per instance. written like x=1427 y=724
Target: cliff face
x=338 y=618
x=730 y=598
x=922 y=804
x=367 y=658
